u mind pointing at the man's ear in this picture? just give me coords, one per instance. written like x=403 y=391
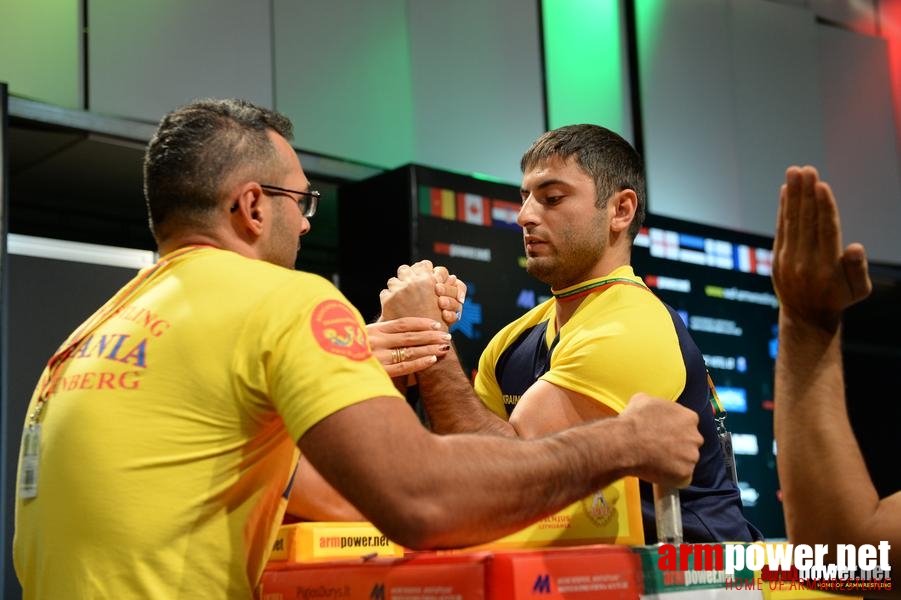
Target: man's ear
x=246 y=208
x=621 y=207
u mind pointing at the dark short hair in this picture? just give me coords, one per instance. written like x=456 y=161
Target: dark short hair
x=605 y=156
x=196 y=148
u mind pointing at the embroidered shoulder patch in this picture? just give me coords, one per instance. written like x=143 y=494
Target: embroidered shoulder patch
x=337 y=330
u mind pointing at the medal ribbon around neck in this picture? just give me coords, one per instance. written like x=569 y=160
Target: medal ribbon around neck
x=592 y=288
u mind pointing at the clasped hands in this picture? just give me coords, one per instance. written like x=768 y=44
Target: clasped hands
x=418 y=307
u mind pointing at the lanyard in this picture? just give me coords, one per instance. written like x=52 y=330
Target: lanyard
x=717 y=406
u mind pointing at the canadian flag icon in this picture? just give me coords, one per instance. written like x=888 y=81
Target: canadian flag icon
x=474 y=209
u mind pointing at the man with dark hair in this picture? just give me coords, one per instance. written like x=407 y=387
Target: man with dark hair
x=602 y=337
x=199 y=146
x=161 y=439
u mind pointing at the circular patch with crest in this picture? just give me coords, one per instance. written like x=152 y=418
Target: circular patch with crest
x=338 y=331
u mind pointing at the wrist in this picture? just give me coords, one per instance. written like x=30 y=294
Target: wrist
x=824 y=325
x=627 y=434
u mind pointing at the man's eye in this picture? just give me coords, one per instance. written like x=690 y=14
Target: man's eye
x=552 y=199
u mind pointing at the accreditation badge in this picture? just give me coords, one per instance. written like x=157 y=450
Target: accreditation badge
x=28 y=474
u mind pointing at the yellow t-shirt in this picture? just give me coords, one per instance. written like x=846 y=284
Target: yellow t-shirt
x=618 y=342
x=169 y=438
x=621 y=340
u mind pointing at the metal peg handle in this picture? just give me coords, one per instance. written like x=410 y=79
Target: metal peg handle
x=668 y=512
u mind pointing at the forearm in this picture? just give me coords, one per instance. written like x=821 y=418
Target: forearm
x=830 y=497
x=483 y=500
x=455 y=491
x=451 y=403
x=455 y=502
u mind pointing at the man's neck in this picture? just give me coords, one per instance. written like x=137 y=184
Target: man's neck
x=566 y=308
x=177 y=242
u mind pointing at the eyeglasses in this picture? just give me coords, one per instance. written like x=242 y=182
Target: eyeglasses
x=306 y=202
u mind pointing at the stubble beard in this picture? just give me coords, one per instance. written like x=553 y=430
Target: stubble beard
x=562 y=271
x=538 y=267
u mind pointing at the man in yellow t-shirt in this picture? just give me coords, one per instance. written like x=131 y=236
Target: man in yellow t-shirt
x=161 y=439
x=602 y=337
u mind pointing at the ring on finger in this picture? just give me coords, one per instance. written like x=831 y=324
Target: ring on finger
x=403 y=354
x=395 y=356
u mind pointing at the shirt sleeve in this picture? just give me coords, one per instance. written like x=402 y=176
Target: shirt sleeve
x=486 y=385
x=315 y=356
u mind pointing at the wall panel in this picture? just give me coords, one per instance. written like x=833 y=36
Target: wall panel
x=40 y=50
x=477 y=90
x=146 y=58
x=342 y=73
x=862 y=161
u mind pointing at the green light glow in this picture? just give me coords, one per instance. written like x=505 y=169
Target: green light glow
x=486 y=177
x=39 y=50
x=649 y=15
x=583 y=62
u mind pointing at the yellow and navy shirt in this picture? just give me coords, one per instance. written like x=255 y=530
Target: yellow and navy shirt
x=621 y=340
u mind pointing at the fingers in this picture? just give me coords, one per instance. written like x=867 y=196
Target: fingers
x=807 y=228
x=854 y=263
x=779 y=240
x=828 y=230
x=406 y=293
x=405 y=332
x=461 y=289
x=441 y=274
x=422 y=268
x=453 y=283
x=410 y=366
x=403 y=324
x=448 y=303
x=791 y=206
x=666 y=439
x=451 y=296
x=410 y=359
x=813 y=275
x=452 y=287
x=410 y=340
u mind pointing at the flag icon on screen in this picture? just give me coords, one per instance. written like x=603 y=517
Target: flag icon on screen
x=473 y=209
x=504 y=214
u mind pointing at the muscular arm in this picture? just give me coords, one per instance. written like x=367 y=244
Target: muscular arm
x=452 y=404
x=828 y=494
x=815 y=437
x=429 y=491
x=546 y=408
